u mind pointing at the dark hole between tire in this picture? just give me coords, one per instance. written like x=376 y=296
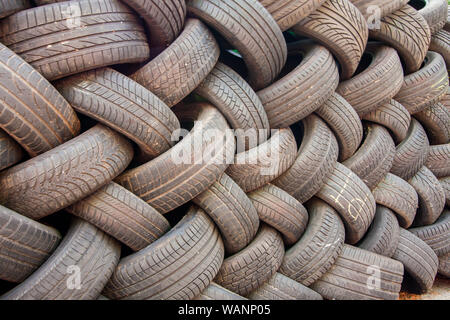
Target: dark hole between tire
x=418 y=4
x=365 y=62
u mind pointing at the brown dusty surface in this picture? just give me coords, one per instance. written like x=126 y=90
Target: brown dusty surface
x=440 y=291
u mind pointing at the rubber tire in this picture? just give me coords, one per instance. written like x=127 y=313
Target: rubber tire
x=440 y=44
x=122 y=104
x=435 y=13
x=250 y=29
x=438 y=160
x=339 y=26
x=419 y=260
x=394 y=117
x=398 y=195
x=66 y=174
x=316 y=251
x=32 y=111
x=383 y=235
x=78 y=44
x=314 y=163
x=386 y=7
x=407 y=32
x=281 y=211
x=444 y=265
x=232 y=212
x=445 y=183
x=303 y=90
x=375 y=156
x=8 y=7
x=172 y=79
x=258 y=166
x=84 y=246
x=425 y=87
x=412 y=153
x=252 y=267
x=166 y=183
x=24 y=245
x=436 y=121
x=354 y=270
x=216 y=292
x=352 y=199
x=10 y=152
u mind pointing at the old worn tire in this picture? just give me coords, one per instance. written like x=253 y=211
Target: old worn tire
x=84 y=246
x=375 y=156
x=383 y=234
x=303 y=90
x=351 y=277
x=124 y=105
x=250 y=29
x=386 y=7
x=398 y=195
x=314 y=254
x=434 y=12
x=352 y=199
x=339 y=26
x=253 y=266
x=10 y=152
x=438 y=160
x=178 y=266
x=31 y=110
x=66 y=174
x=444 y=265
x=445 y=183
x=315 y=161
x=8 y=7
x=281 y=211
x=216 y=292
x=80 y=44
x=172 y=79
x=24 y=245
x=419 y=260
x=232 y=211
x=440 y=43
x=436 y=122
x=167 y=182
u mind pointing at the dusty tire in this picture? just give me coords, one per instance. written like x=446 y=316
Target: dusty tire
x=303 y=90
x=445 y=183
x=353 y=270
x=375 y=156
x=24 y=245
x=90 y=249
x=419 y=260
x=281 y=211
x=250 y=29
x=352 y=199
x=10 y=152
x=375 y=85
x=66 y=174
x=250 y=268
x=216 y=292
x=440 y=43
x=80 y=44
x=232 y=211
x=438 y=160
x=171 y=79
x=434 y=12
x=383 y=234
x=316 y=251
x=444 y=265
x=399 y=196
x=122 y=215
x=436 y=121
x=386 y=6
x=178 y=266
x=8 y=7
x=315 y=161
x=339 y=26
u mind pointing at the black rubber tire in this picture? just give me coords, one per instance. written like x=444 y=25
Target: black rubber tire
x=419 y=260
x=445 y=183
x=303 y=90
x=394 y=117
x=351 y=276
x=412 y=153
x=315 y=161
x=383 y=234
x=232 y=211
x=435 y=13
x=352 y=199
x=166 y=184
x=172 y=79
x=398 y=195
x=426 y=86
x=280 y=287
x=438 y=160
x=10 y=152
x=32 y=111
x=375 y=85
x=386 y=7
x=444 y=265
x=250 y=29
x=178 y=266
x=440 y=43
x=24 y=245
x=345 y=123
x=375 y=156
x=281 y=211
x=8 y=7
x=431 y=197
x=252 y=267
x=316 y=251
x=216 y=292
x=79 y=43
x=436 y=122
x=84 y=246
x=66 y=174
